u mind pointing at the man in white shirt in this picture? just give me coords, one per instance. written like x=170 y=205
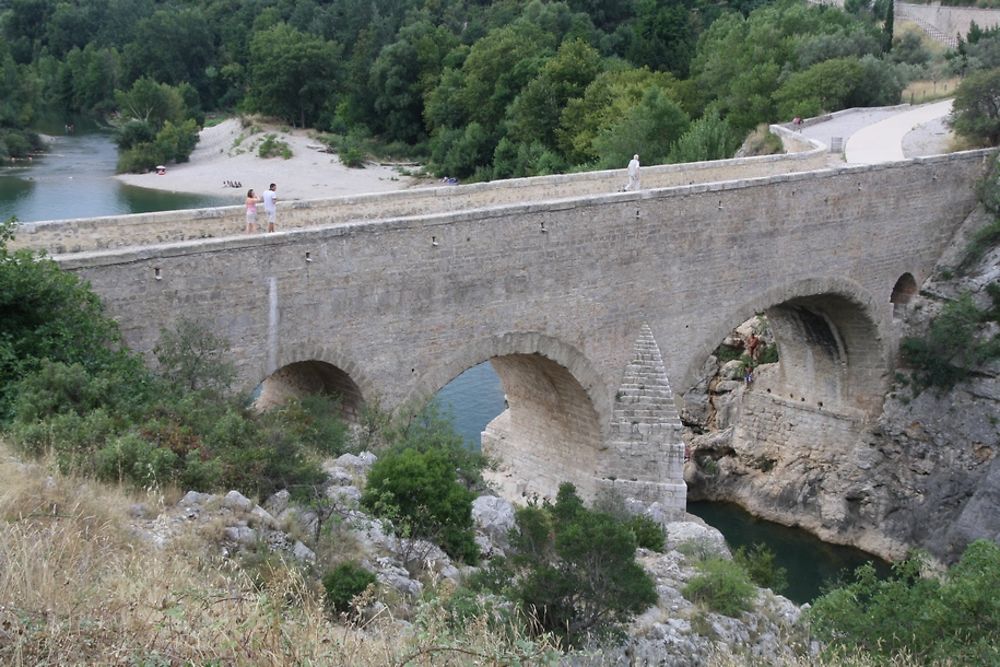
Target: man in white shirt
x=270 y=197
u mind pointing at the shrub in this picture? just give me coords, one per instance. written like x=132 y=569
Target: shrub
x=648 y=533
x=949 y=350
x=274 y=147
x=130 y=458
x=344 y=583
x=47 y=314
x=952 y=620
x=723 y=586
x=191 y=357
x=758 y=562
x=420 y=493
x=574 y=569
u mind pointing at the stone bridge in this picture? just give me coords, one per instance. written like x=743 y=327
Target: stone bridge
x=590 y=303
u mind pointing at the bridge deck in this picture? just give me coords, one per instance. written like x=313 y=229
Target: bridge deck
x=83 y=235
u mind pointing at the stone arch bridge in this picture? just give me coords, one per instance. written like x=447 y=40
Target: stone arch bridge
x=592 y=304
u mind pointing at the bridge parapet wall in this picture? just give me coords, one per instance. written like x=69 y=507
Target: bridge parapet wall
x=85 y=234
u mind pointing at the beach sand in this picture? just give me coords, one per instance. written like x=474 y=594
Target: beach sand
x=228 y=152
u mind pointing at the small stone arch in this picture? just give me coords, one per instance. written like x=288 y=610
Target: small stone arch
x=312 y=369
x=831 y=340
x=903 y=292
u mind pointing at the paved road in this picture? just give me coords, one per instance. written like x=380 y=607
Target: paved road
x=882 y=141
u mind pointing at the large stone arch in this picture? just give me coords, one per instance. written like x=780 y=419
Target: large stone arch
x=314 y=368
x=832 y=339
x=552 y=429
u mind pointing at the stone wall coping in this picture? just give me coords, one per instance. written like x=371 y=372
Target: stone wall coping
x=432 y=220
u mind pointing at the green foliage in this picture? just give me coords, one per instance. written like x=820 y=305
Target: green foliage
x=419 y=491
x=723 y=585
x=708 y=138
x=274 y=147
x=292 y=74
x=70 y=390
x=950 y=349
x=192 y=357
x=758 y=562
x=648 y=533
x=47 y=314
x=976 y=114
x=768 y=354
x=654 y=124
x=951 y=620
x=574 y=570
x=344 y=583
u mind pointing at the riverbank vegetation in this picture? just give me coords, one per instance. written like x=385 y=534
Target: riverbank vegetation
x=478 y=91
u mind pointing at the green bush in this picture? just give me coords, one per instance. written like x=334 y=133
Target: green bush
x=758 y=562
x=950 y=350
x=648 y=533
x=274 y=147
x=419 y=492
x=573 y=570
x=47 y=314
x=723 y=586
x=130 y=458
x=951 y=620
x=344 y=583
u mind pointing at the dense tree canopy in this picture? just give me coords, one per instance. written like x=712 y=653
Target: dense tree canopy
x=483 y=90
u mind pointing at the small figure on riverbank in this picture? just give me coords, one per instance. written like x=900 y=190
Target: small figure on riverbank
x=270 y=197
x=633 y=174
x=251 y=206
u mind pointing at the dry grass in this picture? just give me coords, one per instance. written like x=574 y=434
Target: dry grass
x=77 y=587
x=919 y=92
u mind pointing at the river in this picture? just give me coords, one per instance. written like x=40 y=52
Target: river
x=74 y=179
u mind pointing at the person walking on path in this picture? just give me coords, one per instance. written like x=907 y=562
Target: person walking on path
x=633 y=174
x=251 y=206
x=270 y=197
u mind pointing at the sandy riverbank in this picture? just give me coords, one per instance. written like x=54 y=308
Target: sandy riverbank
x=228 y=152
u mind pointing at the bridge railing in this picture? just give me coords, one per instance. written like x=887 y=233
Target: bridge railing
x=87 y=234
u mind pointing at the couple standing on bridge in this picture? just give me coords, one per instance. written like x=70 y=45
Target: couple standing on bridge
x=270 y=208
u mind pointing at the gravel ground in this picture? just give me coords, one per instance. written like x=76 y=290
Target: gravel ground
x=931 y=138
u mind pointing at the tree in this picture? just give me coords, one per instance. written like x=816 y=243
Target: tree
x=708 y=138
x=611 y=96
x=652 y=127
x=404 y=72
x=47 y=314
x=292 y=75
x=534 y=114
x=172 y=46
x=420 y=493
x=977 y=107
x=575 y=569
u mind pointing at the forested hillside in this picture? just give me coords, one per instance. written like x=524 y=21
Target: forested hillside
x=477 y=89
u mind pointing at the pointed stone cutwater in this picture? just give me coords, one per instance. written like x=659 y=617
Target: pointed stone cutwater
x=645 y=454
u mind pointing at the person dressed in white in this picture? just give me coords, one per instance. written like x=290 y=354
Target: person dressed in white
x=633 y=174
x=270 y=197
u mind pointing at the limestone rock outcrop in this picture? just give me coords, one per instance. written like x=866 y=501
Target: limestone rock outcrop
x=921 y=473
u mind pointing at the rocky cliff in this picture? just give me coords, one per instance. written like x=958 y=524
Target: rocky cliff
x=921 y=474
